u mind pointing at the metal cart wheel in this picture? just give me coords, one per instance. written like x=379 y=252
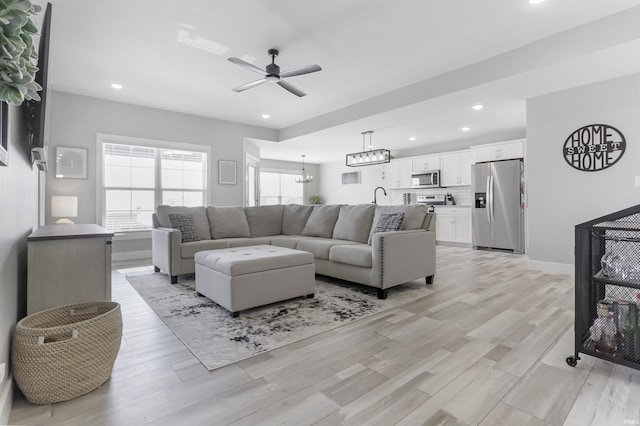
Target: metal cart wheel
x=572 y=361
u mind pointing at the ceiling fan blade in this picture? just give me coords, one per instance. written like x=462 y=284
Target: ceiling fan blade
x=290 y=87
x=250 y=85
x=299 y=71
x=247 y=65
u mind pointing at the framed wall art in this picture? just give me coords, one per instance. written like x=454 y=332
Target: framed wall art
x=226 y=172
x=71 y=163
x=350 y=178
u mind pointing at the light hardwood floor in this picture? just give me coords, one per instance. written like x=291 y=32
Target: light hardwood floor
x=488 y=347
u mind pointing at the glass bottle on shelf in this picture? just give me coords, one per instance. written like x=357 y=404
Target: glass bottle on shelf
x=631 y=333
x=618 y=339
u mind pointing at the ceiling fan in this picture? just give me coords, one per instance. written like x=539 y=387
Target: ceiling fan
x=273 y=74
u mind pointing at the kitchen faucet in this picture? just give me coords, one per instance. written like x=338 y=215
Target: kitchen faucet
x=375 y=192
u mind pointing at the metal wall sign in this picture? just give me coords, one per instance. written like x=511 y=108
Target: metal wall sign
x=594 y=147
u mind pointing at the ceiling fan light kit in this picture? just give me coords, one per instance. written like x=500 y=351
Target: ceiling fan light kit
x=304 y=177
x=370 y=157
x=272 y=74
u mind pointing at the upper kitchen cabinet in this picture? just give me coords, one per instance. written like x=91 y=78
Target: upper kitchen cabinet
x=426 y=163
x=499 y=151
x=455 y=168
x=398 y=173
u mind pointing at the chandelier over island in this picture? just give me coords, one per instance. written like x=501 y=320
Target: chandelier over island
x=370 y=156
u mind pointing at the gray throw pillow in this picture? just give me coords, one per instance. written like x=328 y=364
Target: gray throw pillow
x=321 y=221
x=414 y=214
x=228 y=222
x=199 y=218
x=184 y=223
x=264 y=220
x=387 y=222
x=294 y=218
x=354 y=222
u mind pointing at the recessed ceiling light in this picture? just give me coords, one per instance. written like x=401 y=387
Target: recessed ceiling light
x=535 y=1
x=466 y=129
x=477 y=107
x=412 y=138
x=266 y=116
x=116 y=86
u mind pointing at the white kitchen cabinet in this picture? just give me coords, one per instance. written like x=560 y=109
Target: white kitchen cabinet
x=398 y=173
x=453 y=225
x=499 y=151
x=455 y=168
x=426 y=163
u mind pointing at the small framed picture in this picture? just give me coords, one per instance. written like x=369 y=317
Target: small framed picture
x=350 y=178
x=226 y=172
x=71 y=163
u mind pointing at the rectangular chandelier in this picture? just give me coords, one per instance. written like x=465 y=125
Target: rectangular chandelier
x=368 y=158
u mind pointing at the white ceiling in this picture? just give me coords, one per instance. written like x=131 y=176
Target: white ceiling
x=451 y=54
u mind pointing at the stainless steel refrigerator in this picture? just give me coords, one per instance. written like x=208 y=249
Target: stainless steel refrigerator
x=498 y=205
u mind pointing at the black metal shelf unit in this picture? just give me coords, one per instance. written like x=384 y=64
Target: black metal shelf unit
x=607 y=288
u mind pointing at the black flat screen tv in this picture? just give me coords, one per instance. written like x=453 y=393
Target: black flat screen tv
x=35 y=111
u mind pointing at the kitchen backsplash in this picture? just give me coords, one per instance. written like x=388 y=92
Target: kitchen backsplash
x=462 y=194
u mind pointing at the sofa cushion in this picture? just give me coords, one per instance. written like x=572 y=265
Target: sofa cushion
x=228 y=222
x=387 y=222
x=320 y=247
x=357 y=255
x=264 y=220
x=188 y=250
x=354 y=222
x=321 y=221
x=184 y=224
x=199 y=218
x=288 y=241
x=294 y=218
x=414 y=214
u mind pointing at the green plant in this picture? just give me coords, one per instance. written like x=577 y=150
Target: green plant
x=18 y=56
x=315 y=199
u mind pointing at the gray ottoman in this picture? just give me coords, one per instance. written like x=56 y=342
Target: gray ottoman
x=247 y=277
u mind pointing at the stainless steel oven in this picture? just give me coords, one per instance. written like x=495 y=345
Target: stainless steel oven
x=430 y=179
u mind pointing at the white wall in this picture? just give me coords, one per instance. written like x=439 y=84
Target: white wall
x=560 y=196
x=75 y=121
x=333 y=192
x=18 y=217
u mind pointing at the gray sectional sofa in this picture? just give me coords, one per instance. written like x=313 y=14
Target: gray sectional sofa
x=342 y=238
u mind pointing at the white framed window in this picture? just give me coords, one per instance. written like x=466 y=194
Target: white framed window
x=280 y=188
x=137 y=175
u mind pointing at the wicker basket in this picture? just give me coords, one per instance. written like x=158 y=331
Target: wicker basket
x=65 y=352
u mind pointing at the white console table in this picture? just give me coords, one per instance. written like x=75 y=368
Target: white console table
x=68 y=264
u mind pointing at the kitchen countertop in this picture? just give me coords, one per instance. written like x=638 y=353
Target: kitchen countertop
x=454 y=206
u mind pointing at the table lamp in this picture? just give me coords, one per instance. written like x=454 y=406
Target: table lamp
x=64 y=207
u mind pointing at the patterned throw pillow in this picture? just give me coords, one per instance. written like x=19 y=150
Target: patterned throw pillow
x=387 y=222
x=184 y=223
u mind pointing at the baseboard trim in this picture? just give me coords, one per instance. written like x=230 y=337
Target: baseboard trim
x=552 y=267
x=131 y=255
x=6 y=399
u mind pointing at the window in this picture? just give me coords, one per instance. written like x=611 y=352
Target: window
x=280 y=188
x=137 y=178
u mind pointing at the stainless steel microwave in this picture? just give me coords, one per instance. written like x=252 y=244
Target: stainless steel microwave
x=430 y=179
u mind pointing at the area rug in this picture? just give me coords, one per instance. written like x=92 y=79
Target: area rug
x=217 y=340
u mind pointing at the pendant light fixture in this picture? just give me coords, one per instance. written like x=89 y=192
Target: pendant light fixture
x=368 y=156
x=304 y=177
